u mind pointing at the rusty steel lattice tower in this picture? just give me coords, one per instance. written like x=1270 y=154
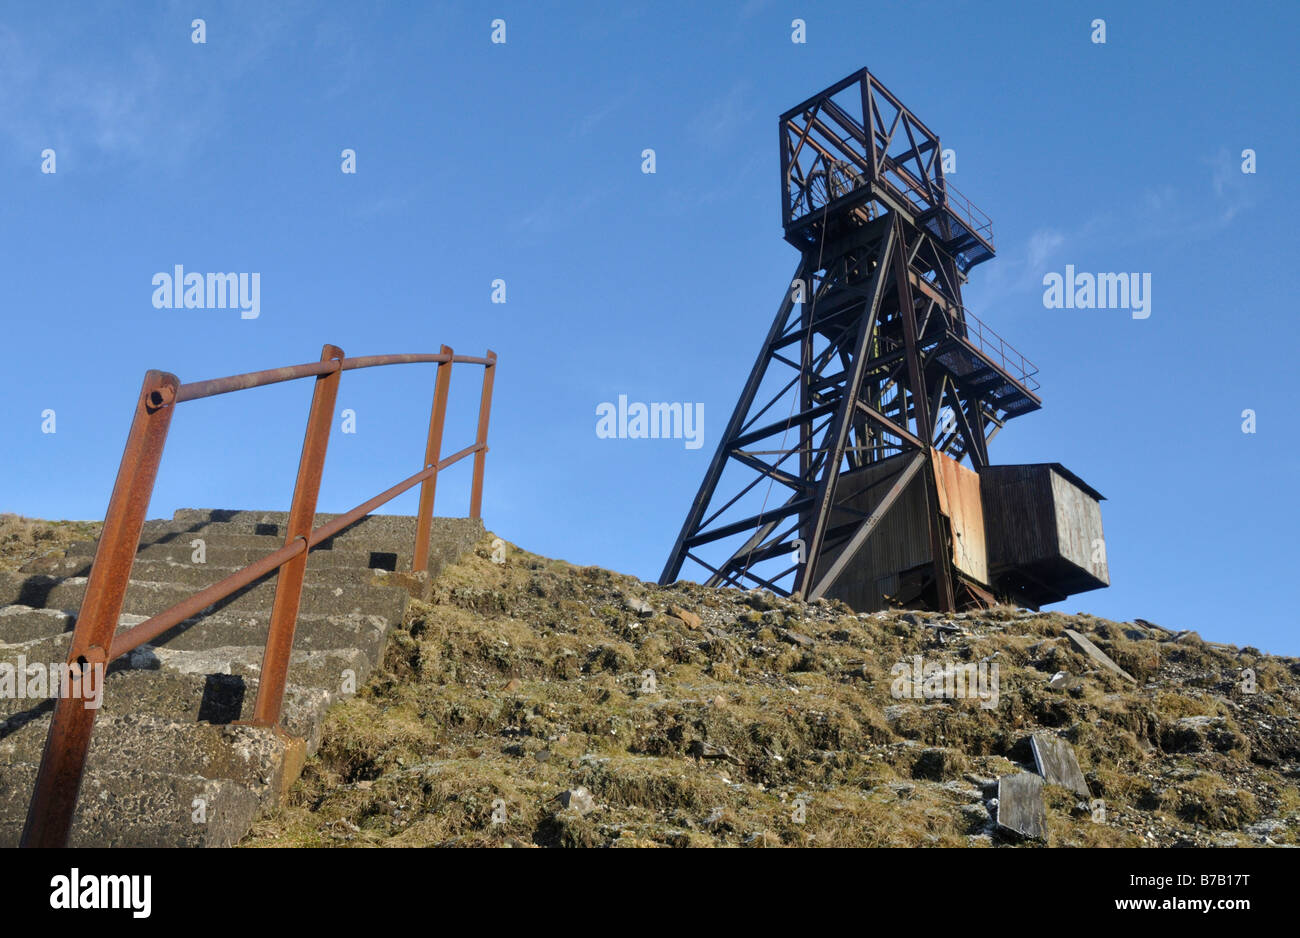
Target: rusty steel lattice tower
x=839 y=472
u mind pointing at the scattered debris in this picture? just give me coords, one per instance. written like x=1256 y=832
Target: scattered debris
x=579 y=799
x=1056 y=762
x=1066 y=682
x=797 y=638
x=702 y=750
x=1020 y=806
x=685 y=615
x=743 y=718
x=1097 y=655
x=639 y=606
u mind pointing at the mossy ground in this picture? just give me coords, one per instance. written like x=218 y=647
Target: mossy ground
x=770 y=722
x=23 y=539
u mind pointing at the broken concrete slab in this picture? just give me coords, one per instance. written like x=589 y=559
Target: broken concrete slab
x=703 y=750
x=692 y=620
x=942 y=630
x=1063 y=681
x=1057 y=764
x=1158 y=631
x=797 y=638
x=579 y=799
x=1097 y=655
x=1021 y=810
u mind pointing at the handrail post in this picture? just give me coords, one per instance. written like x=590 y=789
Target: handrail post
x=302 y=515
x=432 y=452
x=63 y=761
x=484 y=409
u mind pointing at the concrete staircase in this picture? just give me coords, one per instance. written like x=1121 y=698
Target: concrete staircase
x=166 y=765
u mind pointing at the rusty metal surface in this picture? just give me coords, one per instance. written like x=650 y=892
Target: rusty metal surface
x=373 y=361
x=95 y=643
x=195 y=390
x=484 y=409
x=253 y=379
x=63 y=761
x=959 y=500
x=169 y=618
x=432 y=449
x=302 y=512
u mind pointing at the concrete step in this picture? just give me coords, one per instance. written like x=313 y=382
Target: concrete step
x=200 y=575
x=144 y=597
x=50 y=631
x=252 y=756
x=165 y=740
x=22 y=623
x=240 y=554
x=373 y=529
x=216 y=685
x=128 y=808
x=377 y=538
x=374 y=532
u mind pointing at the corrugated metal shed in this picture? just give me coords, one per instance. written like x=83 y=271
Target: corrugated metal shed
x=900 y=543
x=1029 y=533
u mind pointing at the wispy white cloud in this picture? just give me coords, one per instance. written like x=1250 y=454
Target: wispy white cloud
x=134 y=101
x=720 y=122
x=1042 y=244
x=598 y=114
x=559 y=212
x=1159 y=214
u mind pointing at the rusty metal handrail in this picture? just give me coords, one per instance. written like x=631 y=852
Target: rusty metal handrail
x=958 y=206
x=95 y=642
x=982 y=339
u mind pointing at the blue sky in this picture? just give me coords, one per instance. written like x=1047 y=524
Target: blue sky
x=522 y=161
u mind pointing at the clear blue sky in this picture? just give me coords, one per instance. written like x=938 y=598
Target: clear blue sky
x=522 y=161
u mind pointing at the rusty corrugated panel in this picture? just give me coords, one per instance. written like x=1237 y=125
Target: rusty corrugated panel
x=959 y=500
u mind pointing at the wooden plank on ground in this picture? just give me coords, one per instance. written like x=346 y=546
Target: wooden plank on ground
x=1020 y=805
x=1057 y=764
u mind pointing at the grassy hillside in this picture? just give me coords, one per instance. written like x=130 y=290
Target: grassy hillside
x=770 y=722
x=23 y=539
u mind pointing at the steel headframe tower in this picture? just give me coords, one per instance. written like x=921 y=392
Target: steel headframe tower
x=874 y=352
